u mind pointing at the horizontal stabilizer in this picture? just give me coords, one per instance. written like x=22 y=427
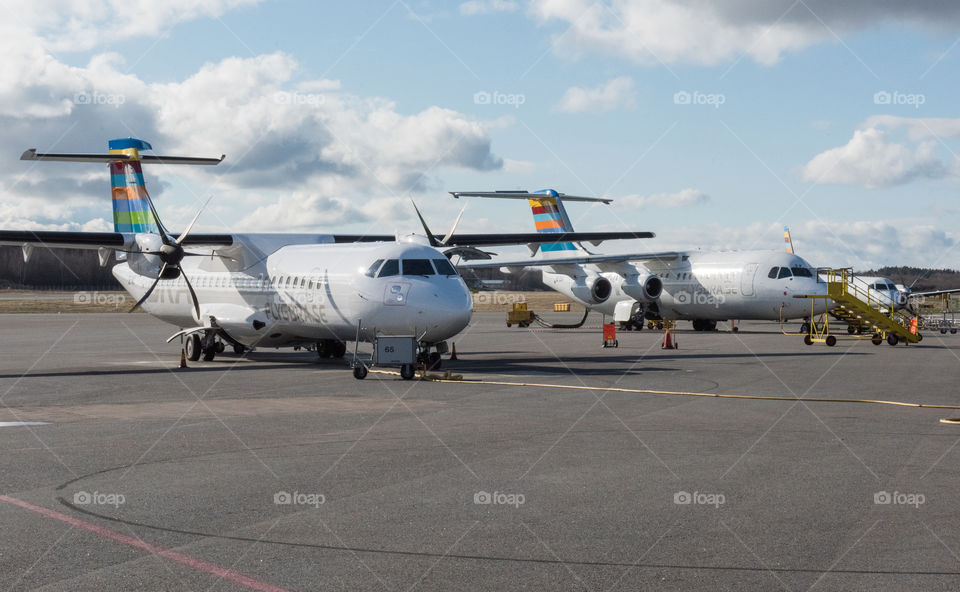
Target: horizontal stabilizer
x=32 y=154
x=525 y=195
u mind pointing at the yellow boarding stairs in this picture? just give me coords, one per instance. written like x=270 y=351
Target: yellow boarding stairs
x=868 y=316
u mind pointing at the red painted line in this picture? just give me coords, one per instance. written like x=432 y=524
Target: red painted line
x=193 y=562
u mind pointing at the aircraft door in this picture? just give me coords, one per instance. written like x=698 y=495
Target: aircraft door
x=746 y=280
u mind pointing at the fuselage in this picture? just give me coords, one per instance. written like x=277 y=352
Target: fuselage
x=759 y=285
x=304 y=293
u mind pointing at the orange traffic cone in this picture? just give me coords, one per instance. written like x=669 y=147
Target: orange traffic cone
x=453 y=352
x=668 y=341
x=183 y=358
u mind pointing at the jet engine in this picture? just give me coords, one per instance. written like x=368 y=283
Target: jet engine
x=642 y=286
x=594 y=289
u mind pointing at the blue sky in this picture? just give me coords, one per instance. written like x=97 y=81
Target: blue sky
x=332 y=115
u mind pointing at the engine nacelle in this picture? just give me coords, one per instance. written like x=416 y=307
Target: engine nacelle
x=643 y=286
x=146 y=260
x=594 y=289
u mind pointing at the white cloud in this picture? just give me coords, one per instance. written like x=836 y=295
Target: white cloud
x=680 y=199
x=616 y=93
x=871 y=159
x=705 y=32
x=860 y=244
x=475 y=7
x=281 y=133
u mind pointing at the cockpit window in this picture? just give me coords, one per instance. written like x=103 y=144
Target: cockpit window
x=801 y=271
x=391 y=267
x=773 y=273
x=891 y=287
x=417 y=267
x=784 y=273
x=443 y=267
x=373 y=268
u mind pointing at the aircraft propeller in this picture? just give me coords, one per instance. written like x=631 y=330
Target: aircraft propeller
x=172 y=253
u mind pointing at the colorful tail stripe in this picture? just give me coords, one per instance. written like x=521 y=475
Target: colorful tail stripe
x=549 y=215
x=787 y=240
x=131 y=203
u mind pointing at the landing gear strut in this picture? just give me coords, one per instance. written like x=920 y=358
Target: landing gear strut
x=331 y=348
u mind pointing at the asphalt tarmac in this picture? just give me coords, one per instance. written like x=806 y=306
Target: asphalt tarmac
x=275 y=472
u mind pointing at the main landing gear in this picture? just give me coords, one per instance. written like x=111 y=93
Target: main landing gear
x=331 y=348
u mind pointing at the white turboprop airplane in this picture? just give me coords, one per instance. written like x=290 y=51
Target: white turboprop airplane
x=278 y=290
x=703 y=287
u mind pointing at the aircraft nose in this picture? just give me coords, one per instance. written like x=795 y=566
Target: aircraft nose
x=447 y=306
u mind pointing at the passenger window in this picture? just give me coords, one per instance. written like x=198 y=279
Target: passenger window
x=801 y=272
x=372 y=271
x=444 y=267
x=784 y=273
x=391 y=267
x=773 y=273
x=417 y=267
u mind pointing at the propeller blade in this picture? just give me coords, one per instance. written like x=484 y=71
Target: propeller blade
x=194 y=221
x=444 y=240
x=191 y=254
x=433 y=241
x=150 y=291
x=156 y=218
x=193 y=295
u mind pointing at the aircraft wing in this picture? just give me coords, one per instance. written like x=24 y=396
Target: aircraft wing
x=122 y=241
x=494 y=240
x=934 y=293
x=582 y=260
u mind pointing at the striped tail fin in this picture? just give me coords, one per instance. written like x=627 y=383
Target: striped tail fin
x=132 y=211
x=549 y=216
x=787 y=240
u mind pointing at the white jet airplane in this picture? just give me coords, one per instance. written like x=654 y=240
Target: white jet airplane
x=278 y=290
x=703 y=287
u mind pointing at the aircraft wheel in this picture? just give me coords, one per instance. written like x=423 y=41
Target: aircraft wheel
x=892 y=339
x=831 y=340
x=238 y=349
x=953 y=331
x=360 y=372
x=220 y=347
x=339 y=349
x=736 y=329
x=407 y=371
x=919 y=337
x=807 y=340
x=876 y=339
x=193 y=347
x=851 y=329
x=209 y=354
x=659 y=326
x=943 y=331
x=805 y=328
x=434 y=361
